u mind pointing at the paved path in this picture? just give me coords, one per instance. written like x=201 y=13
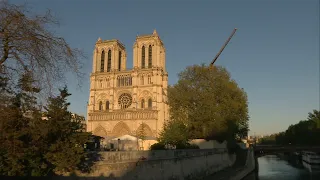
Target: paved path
x=227 y=173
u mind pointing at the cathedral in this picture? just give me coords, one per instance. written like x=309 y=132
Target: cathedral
x=121 y=100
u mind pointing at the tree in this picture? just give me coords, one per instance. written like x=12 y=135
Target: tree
x=35 y=147
x=26 y=45
x=141 y=132
x=65 y=136
x=314 y=117
x=209 y=103
x=174 y=132
x=306 y=132
x=19 y=152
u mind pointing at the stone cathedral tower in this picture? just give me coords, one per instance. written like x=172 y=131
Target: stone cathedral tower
x=122 y=99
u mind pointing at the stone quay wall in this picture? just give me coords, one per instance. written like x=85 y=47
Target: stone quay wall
x=160 y=164
x=247 y=169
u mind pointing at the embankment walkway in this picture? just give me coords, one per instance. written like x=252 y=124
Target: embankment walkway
x=245 y=164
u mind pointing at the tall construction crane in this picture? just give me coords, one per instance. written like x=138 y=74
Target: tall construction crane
x=222 y=48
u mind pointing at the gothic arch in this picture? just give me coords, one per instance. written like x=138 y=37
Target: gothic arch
x=100 y=131
x=121 y=92
x=102 y=58
x=150 y=56
x=121 y=129
x=143 y=57
x=109 y=60
x=145 y=94
x=102 y=96
x=146 y=130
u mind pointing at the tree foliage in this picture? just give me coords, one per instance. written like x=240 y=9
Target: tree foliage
x=33 y=58
x=208 y=103
x=141 y=132
x=174 y=132
x=26 y=45
x=306 y=132
x=31 y=146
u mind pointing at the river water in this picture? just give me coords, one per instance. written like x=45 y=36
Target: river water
x=272 y=167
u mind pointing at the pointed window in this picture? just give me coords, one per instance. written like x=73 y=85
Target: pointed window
x=150 y=103
x=149 y=79
x=150 y=57
x=109 y=61
x=100 y=106
x=143 y=58
x=102 y=62
x=142 y=103
x=141 y=80
x=119 y=66
x=107 y=105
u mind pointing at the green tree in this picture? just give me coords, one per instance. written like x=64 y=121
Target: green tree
x=19 y=121
x=209 y=103
x=35 y=147
x=174 y=132
x=33 y=58
x=64 y=135
x=141 y=133
x=306 y=132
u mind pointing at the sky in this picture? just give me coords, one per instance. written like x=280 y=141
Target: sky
x=274 y=54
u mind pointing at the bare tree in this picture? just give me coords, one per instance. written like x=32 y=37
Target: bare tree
x=27 y=45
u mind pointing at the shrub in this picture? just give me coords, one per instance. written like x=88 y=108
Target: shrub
x=157 y=146
x=186 y=146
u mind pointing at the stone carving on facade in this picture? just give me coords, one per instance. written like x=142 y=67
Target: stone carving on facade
x=100 y=131
x=121 y=119
x=120 y=129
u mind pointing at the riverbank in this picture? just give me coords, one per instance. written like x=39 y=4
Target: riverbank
x=244 y=165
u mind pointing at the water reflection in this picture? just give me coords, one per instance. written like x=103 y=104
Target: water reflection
x=272 y=167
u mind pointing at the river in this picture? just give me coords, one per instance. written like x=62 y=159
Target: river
x=272 y=167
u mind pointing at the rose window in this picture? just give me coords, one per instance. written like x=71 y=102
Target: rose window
x=125 y=100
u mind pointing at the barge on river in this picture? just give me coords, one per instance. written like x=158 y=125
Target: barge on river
x=311 y=161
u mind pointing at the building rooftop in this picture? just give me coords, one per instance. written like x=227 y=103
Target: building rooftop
x=100 y=41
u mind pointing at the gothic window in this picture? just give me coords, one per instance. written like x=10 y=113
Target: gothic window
x=107 y=105
x=142 y=103
x=150 y=57
x=150 y=103
x=102 y=62
x=149 y=79
x=124 y=80
x=143 y=60
x=125 y=100
x=119 y=66
x=109 y=61
x=100 y=106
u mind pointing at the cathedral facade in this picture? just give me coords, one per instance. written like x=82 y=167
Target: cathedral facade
x=122 y=101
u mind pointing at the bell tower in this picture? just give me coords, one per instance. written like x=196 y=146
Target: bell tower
x=109 y=55
x=149 y=52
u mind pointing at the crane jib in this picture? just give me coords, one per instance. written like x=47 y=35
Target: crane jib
x=222 y=48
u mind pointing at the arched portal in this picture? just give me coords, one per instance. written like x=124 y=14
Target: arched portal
x=100 y=131
x=121 y=129
x=144 y=130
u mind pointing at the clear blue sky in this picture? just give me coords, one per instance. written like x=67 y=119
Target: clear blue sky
x=274 y=55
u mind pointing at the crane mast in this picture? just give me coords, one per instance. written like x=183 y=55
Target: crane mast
x=222 y=48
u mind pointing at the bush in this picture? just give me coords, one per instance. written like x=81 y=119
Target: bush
x=158 y=146
x=187 y=146
x=233 y=147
